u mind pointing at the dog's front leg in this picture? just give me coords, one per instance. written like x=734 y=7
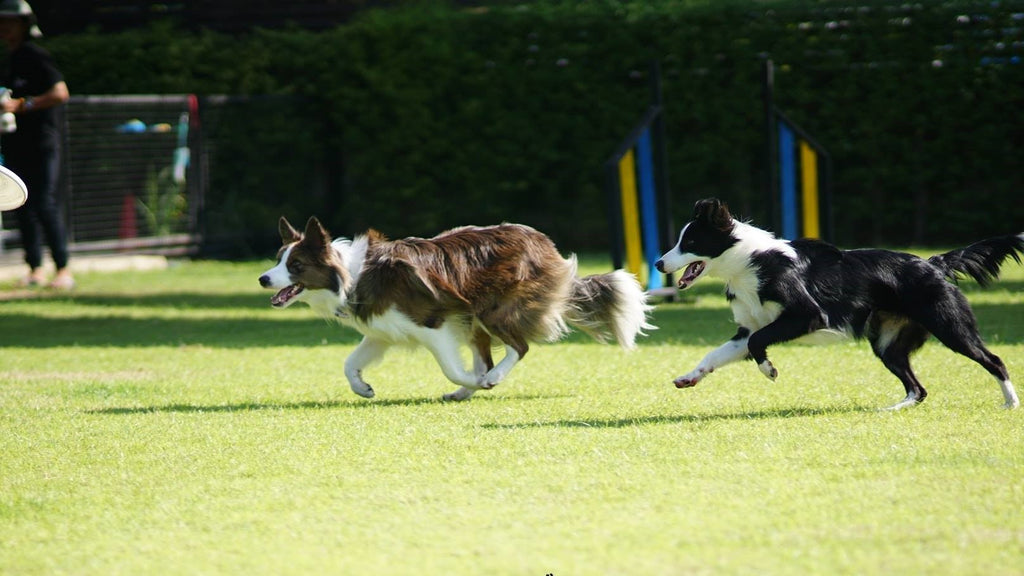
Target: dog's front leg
x=733 y=350
x=785 y=328
x=367 y=352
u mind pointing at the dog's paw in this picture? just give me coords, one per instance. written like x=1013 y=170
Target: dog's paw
x=363 y=389
x=684 y=382
x=690 y=380
x=459 y=395
x=768 y=370
x=490 y=379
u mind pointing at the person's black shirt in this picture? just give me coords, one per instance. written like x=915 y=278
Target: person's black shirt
x=31 y=73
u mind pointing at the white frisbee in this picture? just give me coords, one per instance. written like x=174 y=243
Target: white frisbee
x=13 y=192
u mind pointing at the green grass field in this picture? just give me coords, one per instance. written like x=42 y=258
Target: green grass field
x=171 y=422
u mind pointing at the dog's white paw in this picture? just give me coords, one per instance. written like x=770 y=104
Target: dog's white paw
x=768 y=370
x=490 y=379
x=910 y=401
x=691 y=379
x=362 y=388
x=1010 y=394
x=459 y=395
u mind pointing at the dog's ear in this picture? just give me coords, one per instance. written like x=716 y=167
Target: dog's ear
x=288 y=234
x=316 y=235
x=713 y=212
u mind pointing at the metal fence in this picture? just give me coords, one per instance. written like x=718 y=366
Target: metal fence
x=134 y=176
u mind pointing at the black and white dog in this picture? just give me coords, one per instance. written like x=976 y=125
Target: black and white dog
x=781 y=290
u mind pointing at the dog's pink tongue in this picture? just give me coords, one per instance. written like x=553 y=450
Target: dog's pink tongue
x=285 y=294
x=690 y=274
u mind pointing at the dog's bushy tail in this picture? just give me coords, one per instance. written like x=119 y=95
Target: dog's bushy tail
x=980 y=260
x=611 y=305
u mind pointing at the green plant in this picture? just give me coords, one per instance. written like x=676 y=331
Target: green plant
x=163 y=203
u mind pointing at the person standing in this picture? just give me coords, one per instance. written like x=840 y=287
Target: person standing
x=33 y=150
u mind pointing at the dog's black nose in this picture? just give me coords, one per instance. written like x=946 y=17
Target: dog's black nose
x=659 y=265
x=264 y=280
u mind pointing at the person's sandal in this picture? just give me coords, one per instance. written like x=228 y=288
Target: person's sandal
x=32 y=281
x=63 y=283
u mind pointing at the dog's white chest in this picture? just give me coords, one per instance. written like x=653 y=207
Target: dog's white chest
x=391 y=326
x=755 y=315
x=747 y=309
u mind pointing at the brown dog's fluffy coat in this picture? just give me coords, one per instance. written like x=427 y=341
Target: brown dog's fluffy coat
x=472 y=286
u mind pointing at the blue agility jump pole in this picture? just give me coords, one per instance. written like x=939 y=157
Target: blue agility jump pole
x=787 y=184
x=648 y=208
x=804 y=212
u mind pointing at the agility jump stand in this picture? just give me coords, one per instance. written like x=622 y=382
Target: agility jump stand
x=807 y=214
x=636 y=184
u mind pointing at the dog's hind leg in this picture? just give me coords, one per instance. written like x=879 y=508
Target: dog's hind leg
x=445 y=345
x=893 y=338
x=516 y=348
x=495 y=375
x=482 y=362
x=953 y=323
x=367 y=352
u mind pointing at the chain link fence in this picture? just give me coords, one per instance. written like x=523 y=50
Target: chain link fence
x=132 y=178
x=139 y=170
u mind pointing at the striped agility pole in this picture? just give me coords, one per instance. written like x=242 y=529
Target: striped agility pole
x=631 y=215
x=799 y=173
x=636 y=189
x=637 y=207
x=639 y=211
x=801 y=198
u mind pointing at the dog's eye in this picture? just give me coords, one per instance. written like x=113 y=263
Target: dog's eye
x=295 y=267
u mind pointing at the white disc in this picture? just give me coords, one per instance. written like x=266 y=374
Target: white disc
x=13 y=192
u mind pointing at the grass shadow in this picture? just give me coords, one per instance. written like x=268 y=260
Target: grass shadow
x=259 y=406
x=357 y=403
x=149 y=324
x=32 y=331
x=168 y=299
x=780 y=413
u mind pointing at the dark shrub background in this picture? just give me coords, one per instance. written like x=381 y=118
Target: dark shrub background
x=423 y=117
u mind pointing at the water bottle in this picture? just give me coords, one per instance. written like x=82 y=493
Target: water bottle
x=7 y=122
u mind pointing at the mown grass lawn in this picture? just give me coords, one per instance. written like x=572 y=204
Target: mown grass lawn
x=170 y=422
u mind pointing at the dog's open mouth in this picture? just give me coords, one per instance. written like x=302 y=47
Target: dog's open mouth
x=690 y=274
x=285 y=295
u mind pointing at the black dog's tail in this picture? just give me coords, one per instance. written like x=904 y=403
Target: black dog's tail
x=980 y=260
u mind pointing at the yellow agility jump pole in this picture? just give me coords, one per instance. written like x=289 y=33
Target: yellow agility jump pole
x=631 y=216
x=809 y=191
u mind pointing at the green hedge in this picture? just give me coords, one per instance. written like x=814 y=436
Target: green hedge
x=419 y=118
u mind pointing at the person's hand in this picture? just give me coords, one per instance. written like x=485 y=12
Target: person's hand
x=12 y=104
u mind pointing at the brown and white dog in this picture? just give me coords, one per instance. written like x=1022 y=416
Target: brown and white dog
x=470 y=286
